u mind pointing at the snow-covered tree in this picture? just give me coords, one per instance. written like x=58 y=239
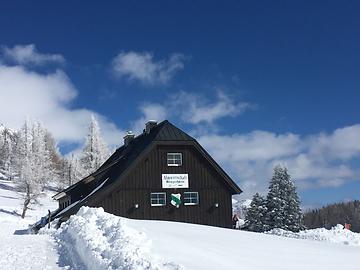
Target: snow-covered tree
x=40 y=155
x=293 y=210
x=255 y=215
x=28 y=183
x=33 y=162
x=240 y=207
x=72 y=171
x=7 y=141
x=95 y=151
x=283 y=210
x=54 y=153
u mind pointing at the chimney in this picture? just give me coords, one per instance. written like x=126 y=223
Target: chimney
x=149 y=125
x=128 y=137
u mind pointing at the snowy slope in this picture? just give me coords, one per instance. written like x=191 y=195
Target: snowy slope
x=94 y=239
x=20 y=250
x=114 y=242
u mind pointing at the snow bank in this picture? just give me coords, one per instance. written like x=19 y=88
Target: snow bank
x=337 y=234
x=93 y=239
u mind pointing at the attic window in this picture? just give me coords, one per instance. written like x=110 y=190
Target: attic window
x=174 y=159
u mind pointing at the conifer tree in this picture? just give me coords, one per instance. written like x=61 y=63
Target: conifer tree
x=283 y=209
x=95 y=151
x=293 y=210
x=255 y=215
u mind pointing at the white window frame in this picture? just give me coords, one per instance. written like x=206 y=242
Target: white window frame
x=157 y=204
x=173 y=159
x=191 y=203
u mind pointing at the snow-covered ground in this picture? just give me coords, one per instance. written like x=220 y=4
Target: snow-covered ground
x=102 y=241
x=19 y=250
x=94 y=239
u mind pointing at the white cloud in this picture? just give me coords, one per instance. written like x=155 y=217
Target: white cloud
x=141 y=66
x=28 y=55
x=254 y=146
x=48 y=97
x=319 y=160
x=343 y=143
x=197 y=109
x=191 y=108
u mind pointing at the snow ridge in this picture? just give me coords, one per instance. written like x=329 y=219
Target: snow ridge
x=337 y=234
x=93 y=239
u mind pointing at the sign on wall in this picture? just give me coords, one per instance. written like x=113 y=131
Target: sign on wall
x=175 y=181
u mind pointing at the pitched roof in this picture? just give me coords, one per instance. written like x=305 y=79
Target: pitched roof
x=124 y=156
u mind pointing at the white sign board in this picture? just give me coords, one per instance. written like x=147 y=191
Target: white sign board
x=175 y=181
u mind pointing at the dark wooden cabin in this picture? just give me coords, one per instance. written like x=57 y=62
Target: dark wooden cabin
x=162 y=174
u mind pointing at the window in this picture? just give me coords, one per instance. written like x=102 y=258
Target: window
x=65 y=204
x=158 y=199
x=174 y=159
x=191 y=198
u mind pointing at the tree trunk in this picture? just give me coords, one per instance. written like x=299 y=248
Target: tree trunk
x=26 y=201
x=25 y=207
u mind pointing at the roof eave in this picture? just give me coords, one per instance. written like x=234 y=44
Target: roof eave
x=59 y=195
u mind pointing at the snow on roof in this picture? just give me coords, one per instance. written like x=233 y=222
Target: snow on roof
x=80 y=201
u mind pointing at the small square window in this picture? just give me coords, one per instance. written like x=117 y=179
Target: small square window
x=174 y=159
x=191 y=198
x=158 y=199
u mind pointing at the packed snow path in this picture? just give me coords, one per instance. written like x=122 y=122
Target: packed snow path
x=19 y=250
x=25 y=251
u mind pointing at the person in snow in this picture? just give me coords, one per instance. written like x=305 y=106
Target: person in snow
x=235 y=220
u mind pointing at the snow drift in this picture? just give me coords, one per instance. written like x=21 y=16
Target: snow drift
x=93 y=239
x=337 y=234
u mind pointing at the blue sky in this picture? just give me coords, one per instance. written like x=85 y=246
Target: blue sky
x=256 y=82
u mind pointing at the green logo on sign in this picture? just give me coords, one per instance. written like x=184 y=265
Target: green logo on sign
x=175 y=199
